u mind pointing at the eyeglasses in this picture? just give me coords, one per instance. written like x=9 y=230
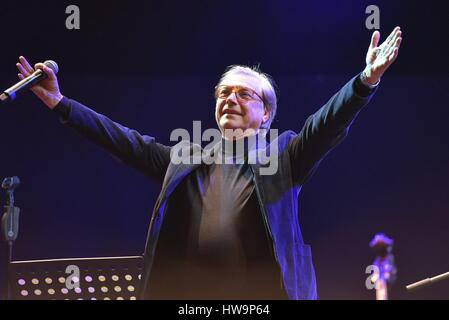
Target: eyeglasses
x=243 y=94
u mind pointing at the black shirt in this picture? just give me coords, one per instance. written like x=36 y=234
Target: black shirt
x=214 y=243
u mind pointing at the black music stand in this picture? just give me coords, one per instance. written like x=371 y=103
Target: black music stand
x=108 y=278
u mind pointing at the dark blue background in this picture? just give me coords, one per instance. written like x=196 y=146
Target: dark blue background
x=152 y=66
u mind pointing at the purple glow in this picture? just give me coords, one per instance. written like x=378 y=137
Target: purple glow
x=381 y=238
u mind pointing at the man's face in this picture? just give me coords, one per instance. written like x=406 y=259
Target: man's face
x=232 y=112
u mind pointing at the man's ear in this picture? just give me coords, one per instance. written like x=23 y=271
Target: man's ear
x=266 y=115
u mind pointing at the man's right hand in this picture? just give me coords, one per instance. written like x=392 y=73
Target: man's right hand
x=47 y=89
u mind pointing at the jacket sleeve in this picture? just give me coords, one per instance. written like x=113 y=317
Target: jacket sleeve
x=141 y=152
x=326 y=128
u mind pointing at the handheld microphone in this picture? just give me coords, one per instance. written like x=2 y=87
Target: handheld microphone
x=38 y=75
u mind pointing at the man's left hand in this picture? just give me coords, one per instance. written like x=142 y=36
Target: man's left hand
x=379 y=58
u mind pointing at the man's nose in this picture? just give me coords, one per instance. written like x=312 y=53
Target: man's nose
x=233 y=98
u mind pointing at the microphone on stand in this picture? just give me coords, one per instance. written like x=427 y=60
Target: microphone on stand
x=10 y=218
x=10 y=183
x=9 y=227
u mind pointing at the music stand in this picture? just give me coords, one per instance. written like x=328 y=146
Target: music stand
x=107 y=278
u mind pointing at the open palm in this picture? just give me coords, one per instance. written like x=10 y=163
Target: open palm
x=379 y=58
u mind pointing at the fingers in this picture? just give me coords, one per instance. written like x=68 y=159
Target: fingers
x=394 y=51
x=39 y=65
x=393 y=55
x=47 y=70
x=391 y=43
x=394 y=44
x=398 y=42
x=392 y=38
x=22 y=69
x=392 y=34
x=25 y=64
x=21 y=77
x=374 y=39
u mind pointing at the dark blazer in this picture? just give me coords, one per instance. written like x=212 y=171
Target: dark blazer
x=297 y=156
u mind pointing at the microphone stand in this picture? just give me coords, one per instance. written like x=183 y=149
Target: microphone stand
x=10 y=230
x=427 y=282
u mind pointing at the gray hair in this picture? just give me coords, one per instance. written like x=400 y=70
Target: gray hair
x=269 y=88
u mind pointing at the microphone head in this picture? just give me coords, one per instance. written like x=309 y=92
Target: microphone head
x=52 y=65
x=10 y=183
